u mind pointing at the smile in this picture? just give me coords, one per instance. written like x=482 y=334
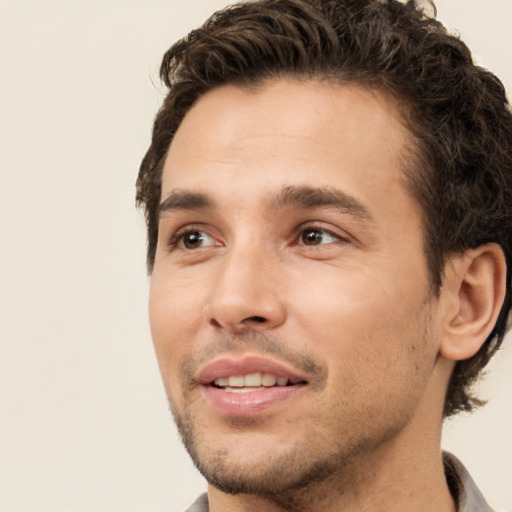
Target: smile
x=250 y=382
x=248 y=386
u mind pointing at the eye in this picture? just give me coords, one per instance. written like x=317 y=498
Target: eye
x=193 y=240
x=315 y=236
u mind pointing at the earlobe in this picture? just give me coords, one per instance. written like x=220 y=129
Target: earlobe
x=473 y=291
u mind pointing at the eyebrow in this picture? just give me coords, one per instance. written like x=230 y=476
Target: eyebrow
x=185 y=200
x=314 y=197
x=305 y=197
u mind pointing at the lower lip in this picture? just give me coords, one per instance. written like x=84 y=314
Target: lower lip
x=250 y=403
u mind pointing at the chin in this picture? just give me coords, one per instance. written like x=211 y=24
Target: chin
x=260 y=467
x=275 y=475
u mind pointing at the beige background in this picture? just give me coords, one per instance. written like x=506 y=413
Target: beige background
x=83 y=420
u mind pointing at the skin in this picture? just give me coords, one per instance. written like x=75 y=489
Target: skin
x=347 y=305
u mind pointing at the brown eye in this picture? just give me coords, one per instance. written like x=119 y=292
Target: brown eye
x=196 y=240
x=315 y=236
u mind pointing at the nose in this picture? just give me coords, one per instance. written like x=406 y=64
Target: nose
x=246 y=292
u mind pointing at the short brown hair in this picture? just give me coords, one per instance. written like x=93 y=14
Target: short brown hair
x=457 y=112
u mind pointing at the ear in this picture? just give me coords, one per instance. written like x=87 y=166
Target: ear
x=472 y=294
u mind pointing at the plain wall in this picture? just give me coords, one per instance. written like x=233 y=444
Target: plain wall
x=84 y=424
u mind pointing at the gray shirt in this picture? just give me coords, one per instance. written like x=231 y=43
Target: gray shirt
x=464 y=490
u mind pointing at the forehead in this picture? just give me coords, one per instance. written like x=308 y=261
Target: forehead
x=286 y=132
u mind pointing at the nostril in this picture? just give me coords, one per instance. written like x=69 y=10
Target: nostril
x=215 y=323
x=258 y=319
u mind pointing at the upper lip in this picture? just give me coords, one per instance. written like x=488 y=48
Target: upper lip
x=226 y=366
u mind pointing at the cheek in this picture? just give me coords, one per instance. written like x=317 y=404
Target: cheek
x=379 y=367
x=366 y=323
x=172 y=316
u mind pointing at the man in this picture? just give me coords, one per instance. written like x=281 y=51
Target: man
x=328 y=195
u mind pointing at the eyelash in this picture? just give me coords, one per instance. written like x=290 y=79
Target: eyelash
x=177 y=238
x=316 y=227
x=179 y=235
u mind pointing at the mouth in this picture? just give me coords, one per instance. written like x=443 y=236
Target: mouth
x=248 y=386
x=251 y=382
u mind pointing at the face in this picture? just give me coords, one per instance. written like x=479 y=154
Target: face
x=290 y=302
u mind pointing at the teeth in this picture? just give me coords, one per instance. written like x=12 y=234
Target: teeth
x=268 y=380
x=252 y=380
x=236 y=382
x=241 y=390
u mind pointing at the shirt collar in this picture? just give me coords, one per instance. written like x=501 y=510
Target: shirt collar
x=466 y=494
